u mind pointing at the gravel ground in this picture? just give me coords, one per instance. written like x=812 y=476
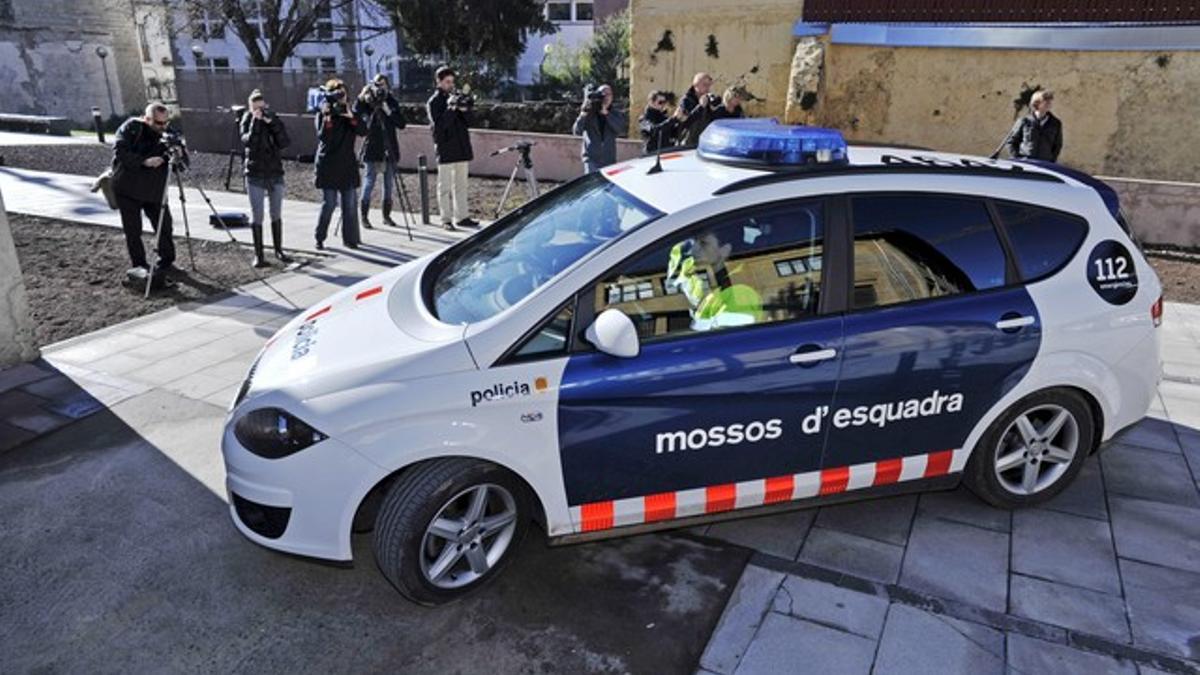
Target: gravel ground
x=74 y=275
x=1180 y=275
x=208 y=171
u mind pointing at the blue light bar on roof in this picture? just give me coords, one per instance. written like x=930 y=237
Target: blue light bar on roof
x=767 y=142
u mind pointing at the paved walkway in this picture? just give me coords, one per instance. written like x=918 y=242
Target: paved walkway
x=69 y=197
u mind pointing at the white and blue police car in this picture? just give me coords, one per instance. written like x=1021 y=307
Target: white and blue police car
x=772 y=320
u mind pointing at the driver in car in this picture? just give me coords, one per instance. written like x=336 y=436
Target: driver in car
x=726 y=304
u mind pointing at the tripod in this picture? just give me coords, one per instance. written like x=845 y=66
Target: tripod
x=236 y=149
x=398 y=185
x=176 y=164
x=524 y=164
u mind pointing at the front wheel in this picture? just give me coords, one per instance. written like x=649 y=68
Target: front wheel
x=1033 y=451
x=449 y=526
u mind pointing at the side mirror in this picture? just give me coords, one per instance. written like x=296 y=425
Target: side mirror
x=614 y=333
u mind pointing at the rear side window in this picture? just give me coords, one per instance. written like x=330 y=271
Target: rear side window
x=1043 y=240
x=912 y=247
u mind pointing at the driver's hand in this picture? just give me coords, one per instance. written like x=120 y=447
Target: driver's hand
x=152 y=162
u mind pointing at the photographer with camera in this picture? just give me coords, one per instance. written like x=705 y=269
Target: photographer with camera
x=336 y=163
x=599 y=125
x=657 y=127
x=139 y=178
x=694 y=112
x=449 y=115
x=381 y=150
x=264 y=136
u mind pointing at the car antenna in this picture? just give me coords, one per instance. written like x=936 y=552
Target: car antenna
x=657 y=168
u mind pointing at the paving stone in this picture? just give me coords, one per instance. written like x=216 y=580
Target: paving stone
x=748 y=605
x=1149 y=474
x=11 y=437
x=779 y=535
x=28 y=412
x=833 y=606
x=1164 y=608
x=957 y=561
x=787 y=645
x=961 y=506
x=119 y=364
x=22 y=374
x=1085 y=495
x=883 y=519
x=1153 y=532
x=1069 y=606
x=1190 y=441
x=1065 y=548
x=1150 y=433
x=198 y=385
x=1030 y=655
x=917 y=642
x=852 y=554
x=223 y=398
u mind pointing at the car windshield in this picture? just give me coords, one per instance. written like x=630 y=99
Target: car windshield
x=511 y=259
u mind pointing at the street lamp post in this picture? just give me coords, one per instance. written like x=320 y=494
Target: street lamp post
x=369 y=51
x=102 y=52
x=198 y=52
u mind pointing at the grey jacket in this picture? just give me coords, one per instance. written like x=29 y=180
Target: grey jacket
x=599 y=139
x=1032 y=139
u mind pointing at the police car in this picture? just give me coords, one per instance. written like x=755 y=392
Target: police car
x=773 y=320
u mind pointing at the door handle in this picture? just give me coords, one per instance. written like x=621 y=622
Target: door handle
x=808 y=357
x=1012 y=321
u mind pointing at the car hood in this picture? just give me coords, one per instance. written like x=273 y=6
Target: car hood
x=377 y=330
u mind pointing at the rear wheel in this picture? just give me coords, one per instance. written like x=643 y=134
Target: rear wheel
x=1032 y=451
x=449 y=526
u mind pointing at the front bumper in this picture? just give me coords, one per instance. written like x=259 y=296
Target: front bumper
x=303 y=503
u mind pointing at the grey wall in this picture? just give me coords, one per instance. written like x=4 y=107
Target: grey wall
x=16 y=328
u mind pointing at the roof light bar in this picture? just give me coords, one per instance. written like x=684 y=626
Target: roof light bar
x=766 y=142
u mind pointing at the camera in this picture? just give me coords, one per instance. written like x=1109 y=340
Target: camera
x=593 y=97
x=461 y=101
x=175 y=146
x=713 y=101
x=336 y=100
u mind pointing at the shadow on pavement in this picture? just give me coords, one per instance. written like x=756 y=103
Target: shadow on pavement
x=119 y=554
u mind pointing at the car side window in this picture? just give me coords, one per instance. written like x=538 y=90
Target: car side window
x=1042 y=239
x=754 y=267
x=551 y=339
x=911 y=247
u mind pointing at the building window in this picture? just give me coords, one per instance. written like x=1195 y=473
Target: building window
x=207 y=26
x=143 y=42
x=324 y=24
x=218 y=64
x=318 y=65
x=583 y=11
x=558 y=11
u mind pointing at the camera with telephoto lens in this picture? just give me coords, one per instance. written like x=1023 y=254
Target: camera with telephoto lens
x=593 y=97
x=713 y=101
x=461 y=100
x=336 y=100
x=175 y=146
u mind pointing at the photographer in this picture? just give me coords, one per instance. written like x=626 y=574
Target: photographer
x=381 y=111
x=336 y=164
x=656 y=126
x=139 y=177
x=599 y=125
x=695 y=109
x=731 y=104
x=264 y=136
x=448 y=112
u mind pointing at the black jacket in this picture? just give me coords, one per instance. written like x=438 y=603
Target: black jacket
x=699 y=116
x=657 y=128
x=451 y=138
x=263 y=140
x=381 y=143
x=1031 y=139
x=135 y=142
x=599 y=134
x=336 y=164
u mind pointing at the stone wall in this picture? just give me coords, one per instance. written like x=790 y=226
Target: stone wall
x=48 y=61
x=17 y=343
x=746 y=40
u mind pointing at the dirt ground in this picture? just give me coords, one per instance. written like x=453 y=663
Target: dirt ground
x=208 y=170
x=1180 y=275
x=75 y=275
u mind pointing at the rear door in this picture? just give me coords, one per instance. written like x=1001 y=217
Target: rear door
x=709 y=416
x=937 y=330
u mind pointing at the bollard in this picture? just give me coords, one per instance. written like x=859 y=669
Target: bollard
x=98 y=121
x=423 y=181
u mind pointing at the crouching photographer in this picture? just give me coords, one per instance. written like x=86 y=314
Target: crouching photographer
x=264 y=136
x=336 y=164
x=599 y=125
x=139 y=179
x=381 y=151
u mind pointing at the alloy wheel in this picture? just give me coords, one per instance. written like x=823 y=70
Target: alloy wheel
x=468 y=536
x=1036 y=449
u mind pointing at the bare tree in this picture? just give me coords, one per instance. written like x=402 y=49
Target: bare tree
x=270 y=29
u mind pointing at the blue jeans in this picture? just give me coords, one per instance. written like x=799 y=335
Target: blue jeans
x=272 y=190
x=389 y=180
x=330 y=200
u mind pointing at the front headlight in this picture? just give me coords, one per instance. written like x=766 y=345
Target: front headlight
x=273 y=433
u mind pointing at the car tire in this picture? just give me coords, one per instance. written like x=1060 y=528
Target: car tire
x=430 y=540
x=1033 y=450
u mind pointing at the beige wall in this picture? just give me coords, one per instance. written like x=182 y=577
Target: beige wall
x=1124 y=113
x=754 y=41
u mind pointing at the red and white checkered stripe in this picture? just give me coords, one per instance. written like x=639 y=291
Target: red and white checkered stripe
x=717 y=498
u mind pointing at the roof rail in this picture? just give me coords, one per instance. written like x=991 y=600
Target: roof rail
x=891 y=164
